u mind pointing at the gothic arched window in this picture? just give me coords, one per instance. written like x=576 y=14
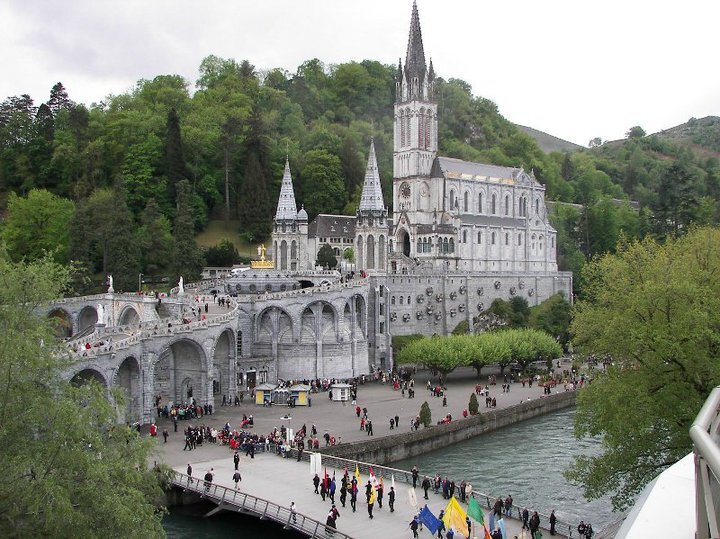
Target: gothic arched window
x=480 y=201
x=479 y=237
x=402 y=128
x=452 y=199
x=464 y=236
x=493 y=204
x=466 y=202
x=507 y=205
x=428 y=129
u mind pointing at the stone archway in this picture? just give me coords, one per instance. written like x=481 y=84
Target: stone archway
x=128 y=317
x=223 y=364
x=87 y=376
x=181 y=373
x=63 y=323
x=87 y=318
x=404 y=241
x=128 y=379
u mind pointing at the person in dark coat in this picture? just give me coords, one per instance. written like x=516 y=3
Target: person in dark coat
x=426 y=486
x=553 y=520
x=534 y=523
x=391 y=499
x=525 y=517
x=316 y=482
x=236 y=459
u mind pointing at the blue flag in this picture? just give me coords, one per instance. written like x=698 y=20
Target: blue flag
x=430 y=521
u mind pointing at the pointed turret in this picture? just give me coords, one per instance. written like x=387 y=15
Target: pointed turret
x=372 y=197
x=286 y=208
x=415 y=68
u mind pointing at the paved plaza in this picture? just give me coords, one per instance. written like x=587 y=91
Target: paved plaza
x=284 y=480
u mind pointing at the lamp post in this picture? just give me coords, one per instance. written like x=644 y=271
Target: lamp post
x=140 y=276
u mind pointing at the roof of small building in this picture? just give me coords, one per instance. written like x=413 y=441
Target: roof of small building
x=335 y=226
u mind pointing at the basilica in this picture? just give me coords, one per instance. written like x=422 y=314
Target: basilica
x=461 y=234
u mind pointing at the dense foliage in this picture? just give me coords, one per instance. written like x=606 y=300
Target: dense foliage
x=655 y=310
x=69 y=470
x=445 y=354
x=228 y=140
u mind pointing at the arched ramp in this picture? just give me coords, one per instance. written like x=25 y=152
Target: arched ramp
x=87 y=376
x=127 y=377
x=62 y=322
x=180 y=373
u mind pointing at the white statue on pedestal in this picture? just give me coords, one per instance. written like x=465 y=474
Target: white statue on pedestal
x=100 y=314
x=110 y=283
x=181 y=286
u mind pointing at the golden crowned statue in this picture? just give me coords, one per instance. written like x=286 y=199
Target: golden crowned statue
x=262 y=263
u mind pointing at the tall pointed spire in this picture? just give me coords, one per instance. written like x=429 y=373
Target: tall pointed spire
x=415 y=59
x=286 y=208
x=372 y=197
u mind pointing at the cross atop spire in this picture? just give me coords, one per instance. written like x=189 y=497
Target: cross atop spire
x=372 y=197
x=415 y=58
x=286 y=208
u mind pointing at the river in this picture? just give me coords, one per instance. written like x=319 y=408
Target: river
x=525 y=460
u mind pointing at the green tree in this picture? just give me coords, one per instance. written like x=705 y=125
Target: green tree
x=654 y=310
x=187 y=257
x=155 y=239
x=322 y=184
x=326 y=257
x=635 y=132
x=122 y=249
x=54 y=433
x=38 y=224
x=473 y=405
x=425 y=414
x=175 y=167
x=223 y=255
x=254 y=205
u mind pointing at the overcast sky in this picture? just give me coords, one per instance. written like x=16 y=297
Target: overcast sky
x=575 y=69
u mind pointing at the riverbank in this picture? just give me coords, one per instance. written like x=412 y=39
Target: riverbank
x=395 y=447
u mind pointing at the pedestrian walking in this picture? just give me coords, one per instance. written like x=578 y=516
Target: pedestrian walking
x=236 y=478
x=293 y=511
x=316 y=482
x=415 y=475
x=165 y=435
x=414 y=527
x=236 y=460
x=426 y=486
x=553 y=520
x=189 y=470
x=391 y=499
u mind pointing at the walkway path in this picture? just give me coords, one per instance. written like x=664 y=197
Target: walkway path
x=283 y=481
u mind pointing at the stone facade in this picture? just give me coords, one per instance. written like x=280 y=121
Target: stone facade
x=462 y=235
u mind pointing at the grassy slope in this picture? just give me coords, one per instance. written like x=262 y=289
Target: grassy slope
x=217 y=230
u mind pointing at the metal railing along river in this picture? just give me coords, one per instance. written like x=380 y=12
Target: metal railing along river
x=235 y=500
x=563 y=528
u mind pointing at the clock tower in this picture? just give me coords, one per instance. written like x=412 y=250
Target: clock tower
x=416 y=197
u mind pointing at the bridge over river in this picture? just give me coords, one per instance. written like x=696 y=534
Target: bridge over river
x=270 y=483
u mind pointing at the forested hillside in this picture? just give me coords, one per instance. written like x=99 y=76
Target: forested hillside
x=123 y=186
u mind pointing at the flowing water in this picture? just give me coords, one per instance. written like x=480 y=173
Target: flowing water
x=527 y=461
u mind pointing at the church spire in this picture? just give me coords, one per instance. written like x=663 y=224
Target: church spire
x=415 y=67
x=286 y=208
x=372 y=197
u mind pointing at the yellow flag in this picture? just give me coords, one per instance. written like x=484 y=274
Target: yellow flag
x=357 y=476
x=455 y=517
x=373 y=495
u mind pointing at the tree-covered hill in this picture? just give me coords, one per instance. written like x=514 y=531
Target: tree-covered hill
x=132 y=178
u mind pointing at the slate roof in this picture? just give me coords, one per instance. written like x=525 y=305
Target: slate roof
x=286 y=208
x=372 y=196
x=452 y=168
x=332 y=226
